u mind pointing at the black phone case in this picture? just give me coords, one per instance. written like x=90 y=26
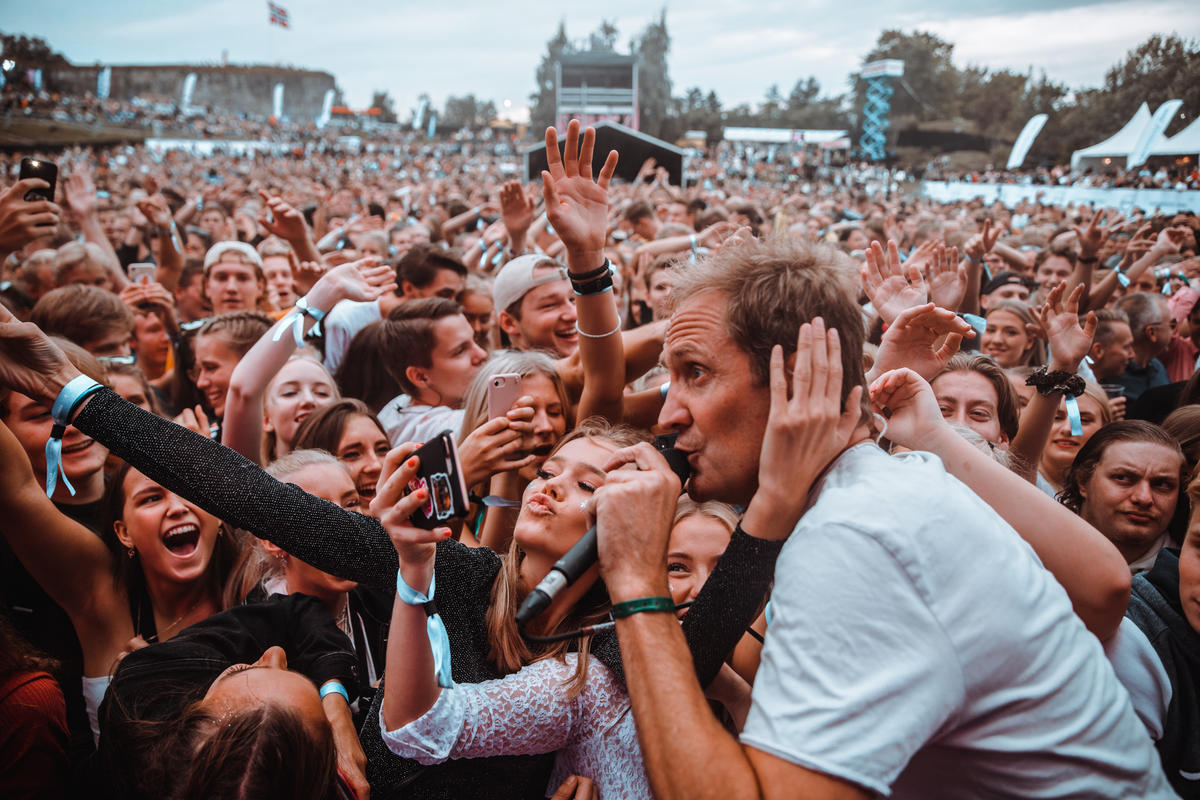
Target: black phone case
x=441 y=477
x=47 y=171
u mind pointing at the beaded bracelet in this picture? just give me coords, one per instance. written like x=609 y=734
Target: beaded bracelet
x=595 y=282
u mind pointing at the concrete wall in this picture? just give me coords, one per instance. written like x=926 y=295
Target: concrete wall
x=230 y=89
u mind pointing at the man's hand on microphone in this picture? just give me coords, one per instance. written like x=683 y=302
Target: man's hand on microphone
x=634 y=510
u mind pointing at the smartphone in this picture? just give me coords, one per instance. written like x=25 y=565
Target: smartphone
x=503 y=391
x=142 y=273
x=442 y=479
x=46 y=170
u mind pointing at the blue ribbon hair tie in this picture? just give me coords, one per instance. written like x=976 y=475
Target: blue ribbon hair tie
x=439 y=639
x=64 y=406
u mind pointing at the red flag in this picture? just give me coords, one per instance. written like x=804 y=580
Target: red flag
x=277 y=15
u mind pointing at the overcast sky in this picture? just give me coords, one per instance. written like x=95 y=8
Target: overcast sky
x=492 y=48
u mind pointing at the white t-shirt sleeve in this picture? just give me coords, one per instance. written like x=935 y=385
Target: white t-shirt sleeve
x=345 y=320
x=1142 y=674
x=856 y=672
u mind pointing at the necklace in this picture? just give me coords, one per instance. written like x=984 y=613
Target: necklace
x=165 y=631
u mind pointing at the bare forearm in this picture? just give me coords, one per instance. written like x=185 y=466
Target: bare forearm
x=410 y=688
x=688 y=755
x=602 y=357
x=170 y=262
x=1037 y=420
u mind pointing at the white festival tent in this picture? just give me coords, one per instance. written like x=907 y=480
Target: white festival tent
x=1117 y=146
x=1184 y=143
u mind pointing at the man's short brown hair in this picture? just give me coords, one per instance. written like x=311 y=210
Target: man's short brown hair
x=772 y=288
x=407 y=336
x=82 y=314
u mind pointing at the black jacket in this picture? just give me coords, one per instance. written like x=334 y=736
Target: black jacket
x=157 y=683
x=1155 y=608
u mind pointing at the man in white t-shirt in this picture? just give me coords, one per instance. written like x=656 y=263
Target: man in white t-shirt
x=431 y=352
x=424 y=271
x=917 y=646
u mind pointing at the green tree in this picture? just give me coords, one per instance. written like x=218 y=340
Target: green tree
x=605 y=37
x=466 y=112
x=654 y=82
x=928 y=71
x=542 y=101
x=383 y=101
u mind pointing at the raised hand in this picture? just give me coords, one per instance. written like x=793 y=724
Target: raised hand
x=922 y=338
x=982 y=243
x=907 y=401
x=80 y=194
x=1091 y=238
x=890 y=288
x=415 y=546
x=363 y=280
x=576 y=205
x=498 y=445
x=30 y=363
x=22 y=221
x=516 y=212
x=806 y=427
x=1069 y=342
x=947 y=278
x=155 y=209
x=714 y=235
x=285 y=222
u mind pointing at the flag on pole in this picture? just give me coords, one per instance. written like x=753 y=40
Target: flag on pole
x=277 y=15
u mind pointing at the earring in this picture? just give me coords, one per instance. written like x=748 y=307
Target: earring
x=132 y=552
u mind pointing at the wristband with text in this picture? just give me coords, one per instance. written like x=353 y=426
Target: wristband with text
x=61 y=412
x=642 y=604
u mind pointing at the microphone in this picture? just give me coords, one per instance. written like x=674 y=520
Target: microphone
x=583 y=554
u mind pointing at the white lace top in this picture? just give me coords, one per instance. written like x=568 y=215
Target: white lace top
x=527 y=713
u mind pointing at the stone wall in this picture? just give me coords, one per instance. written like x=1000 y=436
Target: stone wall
x=232 y=89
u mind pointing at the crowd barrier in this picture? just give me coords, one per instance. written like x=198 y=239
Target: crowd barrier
x=206 y=147
x=1167 y=201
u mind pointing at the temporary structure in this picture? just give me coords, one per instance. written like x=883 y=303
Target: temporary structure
x=1119 y=145
x=1184 y=143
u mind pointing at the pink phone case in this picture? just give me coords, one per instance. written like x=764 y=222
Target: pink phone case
x=503 y=391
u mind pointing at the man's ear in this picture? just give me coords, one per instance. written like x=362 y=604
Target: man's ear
x=408 y=288
x=416 y=376
x=508 y=323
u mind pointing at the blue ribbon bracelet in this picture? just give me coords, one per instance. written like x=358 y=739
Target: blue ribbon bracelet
x=64 y=406
x=439 y=639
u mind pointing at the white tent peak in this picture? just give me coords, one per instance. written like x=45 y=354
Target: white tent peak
x=1184 y=143
x=1119 y=144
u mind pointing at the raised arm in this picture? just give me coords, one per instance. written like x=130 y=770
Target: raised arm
x=281 y=220
x=170 y=248
x=361 y=280
x=1088 y=566
x=1069 y=343
x=81 y=199
x=22 y=221
x=578 y=209
x=67 y=560
x=215 y=478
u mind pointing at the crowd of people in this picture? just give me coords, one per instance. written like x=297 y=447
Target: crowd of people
x=1185 y=177
x=934 y=537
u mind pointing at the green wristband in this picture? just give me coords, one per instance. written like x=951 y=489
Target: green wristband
x=631 y=607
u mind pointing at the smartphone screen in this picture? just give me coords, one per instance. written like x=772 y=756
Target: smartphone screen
x=142 y=273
